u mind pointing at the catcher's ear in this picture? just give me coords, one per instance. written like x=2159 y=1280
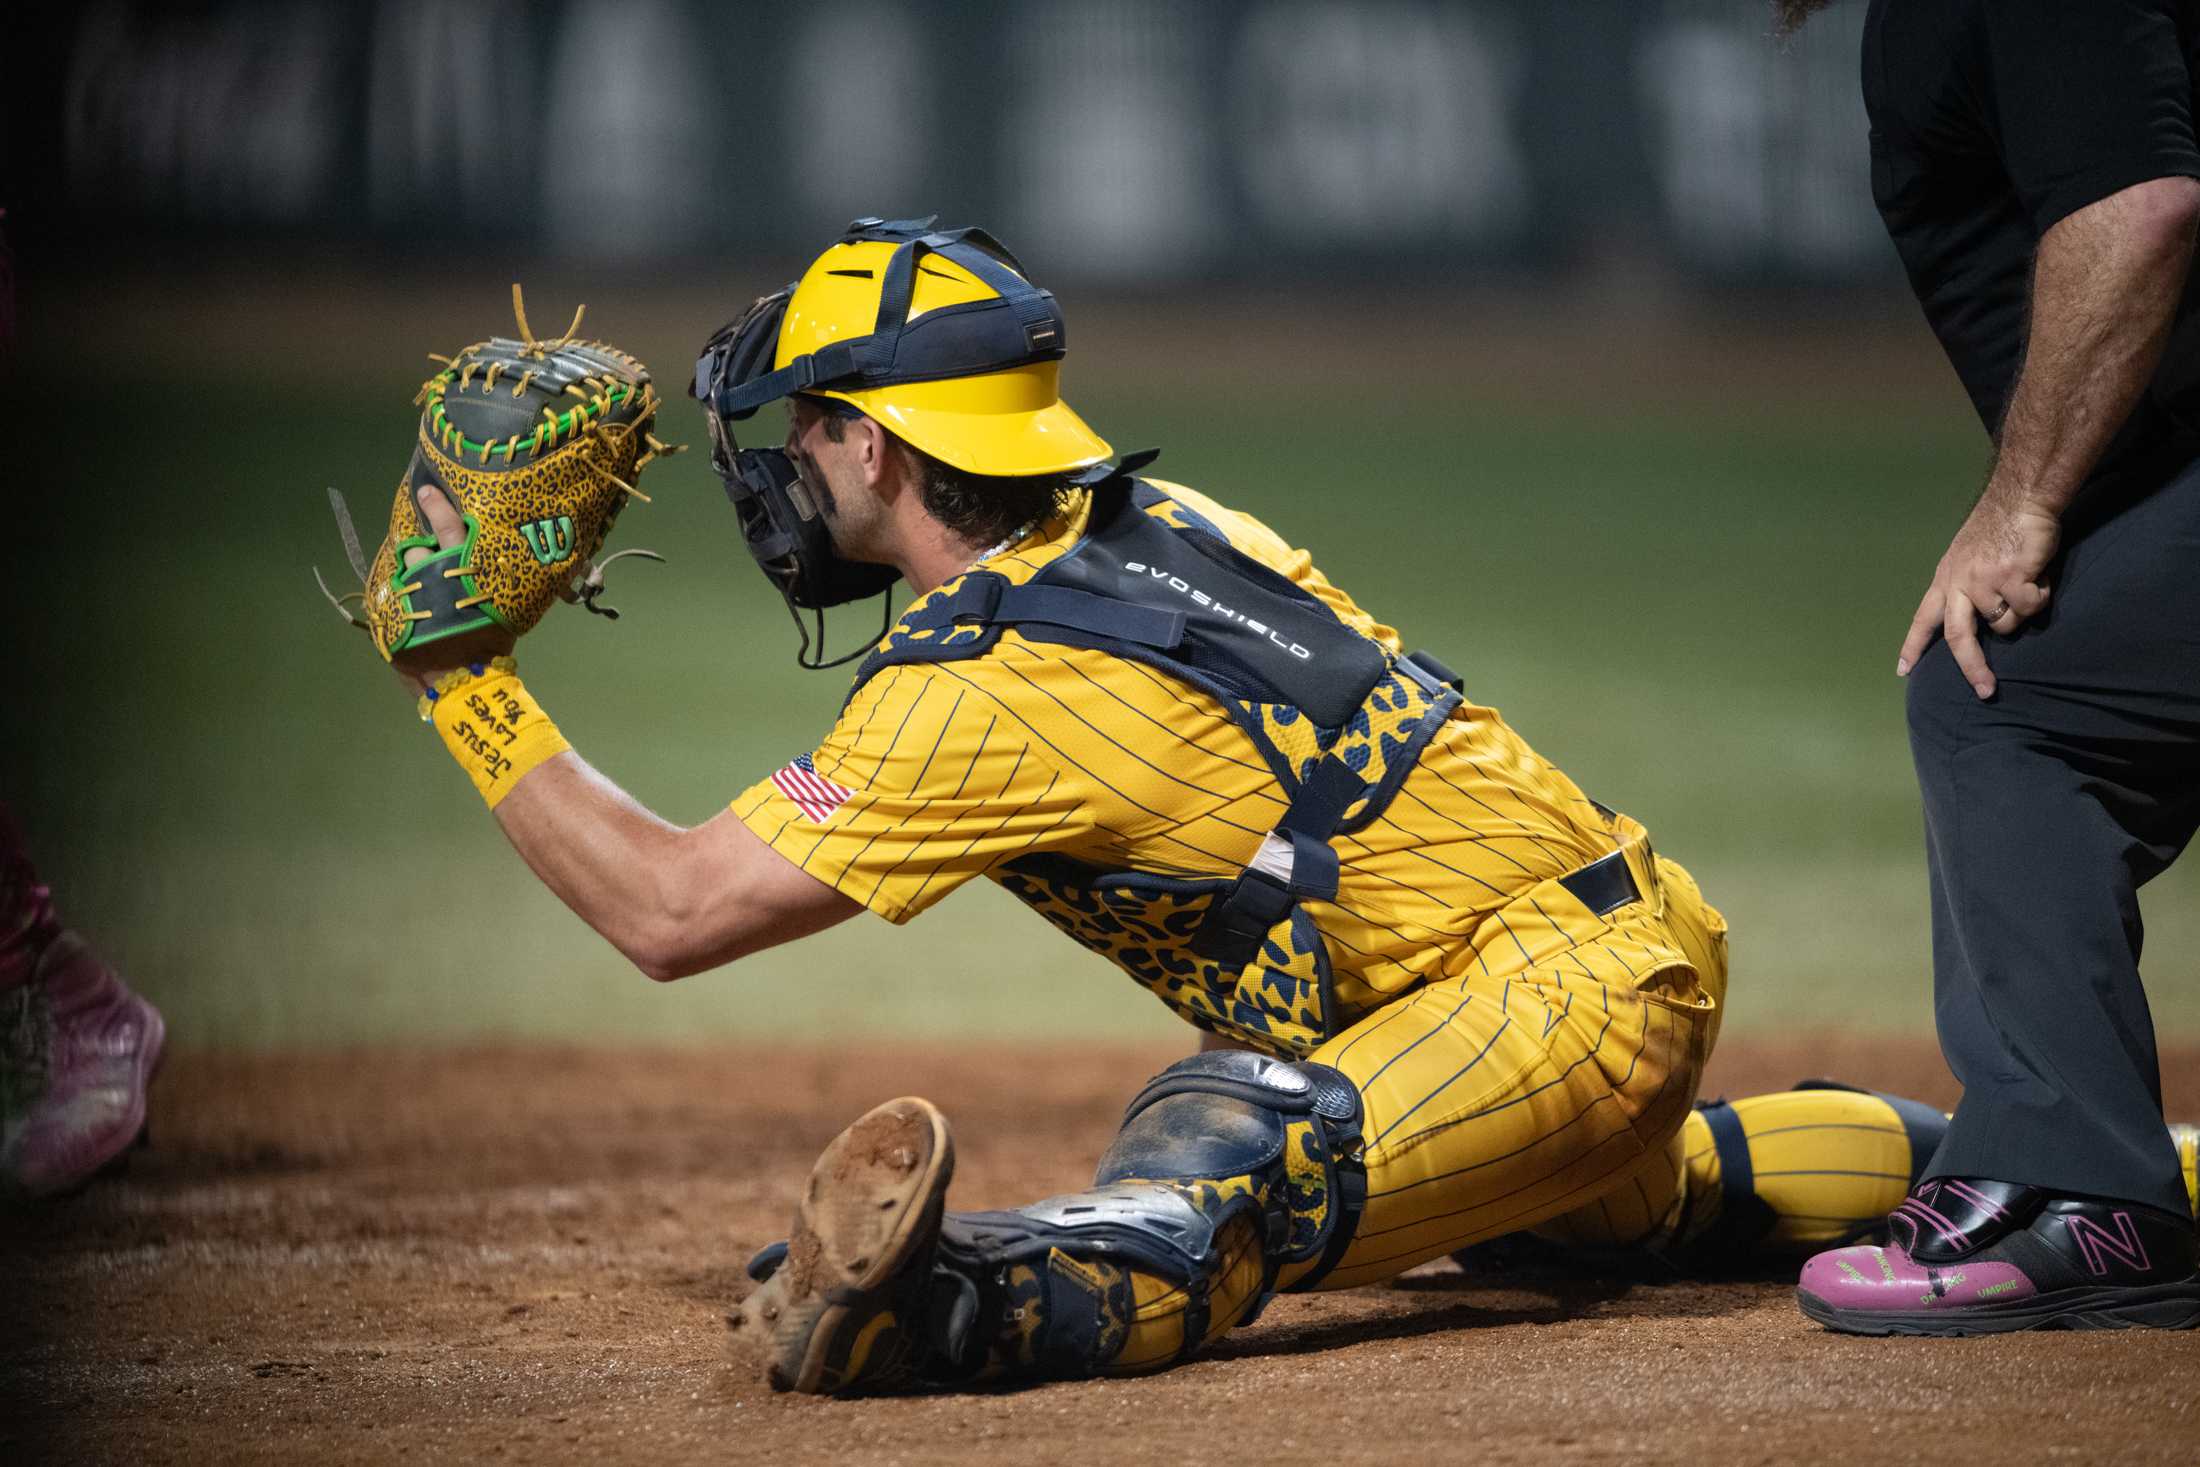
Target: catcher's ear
x=875 y=443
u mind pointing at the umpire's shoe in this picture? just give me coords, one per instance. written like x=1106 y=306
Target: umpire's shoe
x=842 y=1302
x=77 y=1051
x=1970 y=1257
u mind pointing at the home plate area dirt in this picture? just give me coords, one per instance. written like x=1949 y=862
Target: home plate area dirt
x=528 y=1254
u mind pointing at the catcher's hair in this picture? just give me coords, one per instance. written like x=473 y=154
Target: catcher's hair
x=984 y=509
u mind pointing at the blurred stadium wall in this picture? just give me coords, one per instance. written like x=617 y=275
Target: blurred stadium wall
x=1562 y=332
x=1138 y=141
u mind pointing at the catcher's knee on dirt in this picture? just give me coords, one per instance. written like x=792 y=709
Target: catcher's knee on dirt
x=1234 y=1175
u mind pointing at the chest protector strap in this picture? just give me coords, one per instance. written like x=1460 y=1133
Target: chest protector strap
x=1296 y=861
x=1339 y=722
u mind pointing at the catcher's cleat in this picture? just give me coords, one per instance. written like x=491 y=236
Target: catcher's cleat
x=1980 y=1257
x=840 y=1308
x=77 y=1051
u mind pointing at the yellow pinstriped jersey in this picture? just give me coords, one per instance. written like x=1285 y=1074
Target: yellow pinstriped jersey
x=937 y=772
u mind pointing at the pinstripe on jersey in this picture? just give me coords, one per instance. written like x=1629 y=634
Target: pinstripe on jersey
x=958 y=767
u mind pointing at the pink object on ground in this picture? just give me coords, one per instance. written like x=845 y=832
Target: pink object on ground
x=77 y=1051
x=77 y=1047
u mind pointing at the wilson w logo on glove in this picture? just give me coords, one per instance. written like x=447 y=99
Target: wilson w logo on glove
x=550 y=539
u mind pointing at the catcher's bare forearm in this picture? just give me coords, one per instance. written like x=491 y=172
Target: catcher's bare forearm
x=2104 y=292
x=674 y=900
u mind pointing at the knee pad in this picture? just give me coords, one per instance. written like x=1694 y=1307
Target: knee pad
x=1230 y=1170
x=1282 y=1136
x=1209 y=1139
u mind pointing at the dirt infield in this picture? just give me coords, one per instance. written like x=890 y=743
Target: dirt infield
x=528 y=1254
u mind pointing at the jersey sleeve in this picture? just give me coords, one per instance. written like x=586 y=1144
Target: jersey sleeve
x=1272 y=550
x=922 y=784
x=2089 y=99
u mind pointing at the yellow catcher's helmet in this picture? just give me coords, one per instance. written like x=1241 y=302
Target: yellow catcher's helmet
x=936 y=334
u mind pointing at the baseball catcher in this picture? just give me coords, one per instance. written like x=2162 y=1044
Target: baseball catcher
x=1461 y=999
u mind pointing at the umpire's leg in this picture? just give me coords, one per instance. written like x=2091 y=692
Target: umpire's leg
x=2046 y=808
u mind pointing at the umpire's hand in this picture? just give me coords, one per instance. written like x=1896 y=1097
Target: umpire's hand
x=1993 y=574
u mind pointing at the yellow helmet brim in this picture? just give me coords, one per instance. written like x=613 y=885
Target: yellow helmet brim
x=1007 y=424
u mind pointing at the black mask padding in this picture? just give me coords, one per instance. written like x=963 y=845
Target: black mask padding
x=784 y=531
x=740 y=351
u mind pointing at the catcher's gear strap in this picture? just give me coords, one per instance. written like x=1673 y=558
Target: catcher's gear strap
x=1019 y=325
x=491 y=724
x=1744 y=1217
x=1032 y=1274
x=1339 y=722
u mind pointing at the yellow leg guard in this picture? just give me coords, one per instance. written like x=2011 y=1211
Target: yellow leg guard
x=1775 y=1175
x=1825 y=1165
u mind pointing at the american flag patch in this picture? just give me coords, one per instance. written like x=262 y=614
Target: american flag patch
x=812 y=793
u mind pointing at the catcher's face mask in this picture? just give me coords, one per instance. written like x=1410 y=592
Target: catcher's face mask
x=971 y=381
x=779 y=517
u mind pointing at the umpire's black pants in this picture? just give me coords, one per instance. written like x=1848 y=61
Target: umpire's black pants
x=2046 y=809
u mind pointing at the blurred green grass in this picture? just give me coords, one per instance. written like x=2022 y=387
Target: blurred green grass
x=1694 y=611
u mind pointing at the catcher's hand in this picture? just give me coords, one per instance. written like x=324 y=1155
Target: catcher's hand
x=537 y=445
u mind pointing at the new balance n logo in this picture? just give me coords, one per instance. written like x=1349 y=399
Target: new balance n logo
x=550 y=539
x=2096 y=1243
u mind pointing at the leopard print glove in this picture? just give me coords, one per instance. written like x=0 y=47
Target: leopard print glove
x=538 y=445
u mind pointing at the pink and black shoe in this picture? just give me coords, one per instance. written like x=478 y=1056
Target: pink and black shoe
x=1970 y=1257
x=77 y=1047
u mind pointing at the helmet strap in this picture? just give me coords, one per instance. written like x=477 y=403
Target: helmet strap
x=804 y=657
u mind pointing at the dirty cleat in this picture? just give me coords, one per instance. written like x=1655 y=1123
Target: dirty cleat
x=77 y=1051
x=1970 y=1257
x=840 y=1308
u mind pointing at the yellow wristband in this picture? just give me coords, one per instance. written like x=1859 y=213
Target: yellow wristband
x=492 y=725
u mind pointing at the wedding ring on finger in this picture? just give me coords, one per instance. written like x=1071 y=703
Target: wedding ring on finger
x=2001 y=609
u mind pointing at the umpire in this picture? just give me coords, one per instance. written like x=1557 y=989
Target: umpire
x=2035 y=164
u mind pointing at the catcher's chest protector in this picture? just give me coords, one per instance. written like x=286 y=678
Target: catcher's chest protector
x=1339 y=721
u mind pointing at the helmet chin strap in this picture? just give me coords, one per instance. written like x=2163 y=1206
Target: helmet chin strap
x=803 y=657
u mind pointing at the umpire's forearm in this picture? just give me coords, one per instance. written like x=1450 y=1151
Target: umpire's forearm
x=2104 y=292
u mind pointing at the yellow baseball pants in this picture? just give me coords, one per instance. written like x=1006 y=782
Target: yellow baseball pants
x=1559 y=1063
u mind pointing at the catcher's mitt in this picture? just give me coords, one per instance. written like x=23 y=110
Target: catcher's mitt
x=537 y=444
